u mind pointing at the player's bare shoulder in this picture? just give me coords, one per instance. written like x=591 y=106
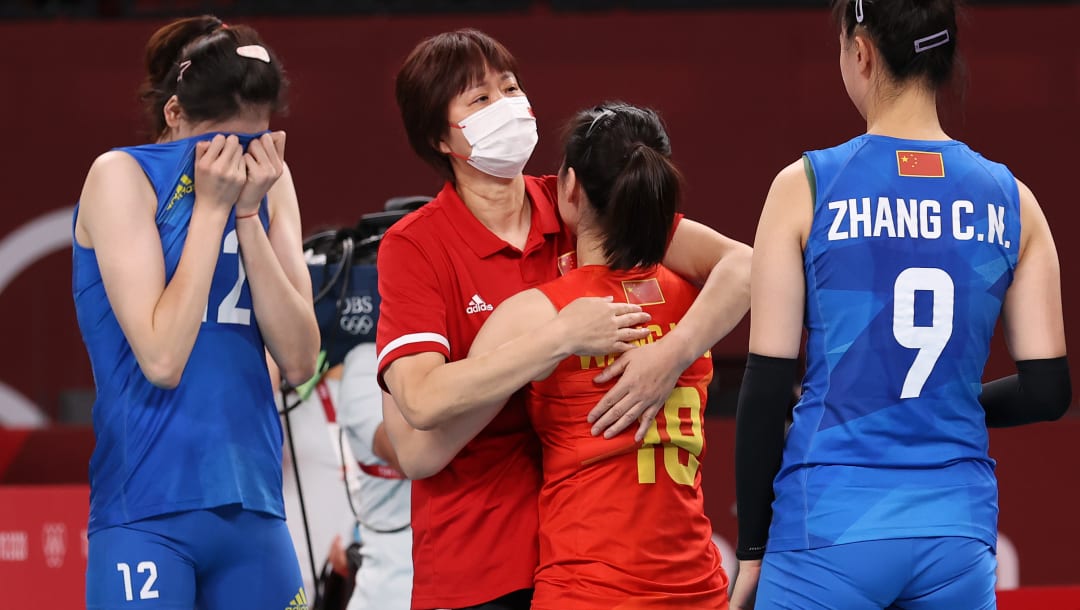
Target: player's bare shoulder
x=114 y=183
x=111 y=169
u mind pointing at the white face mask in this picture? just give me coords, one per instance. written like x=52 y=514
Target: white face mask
x=502 y=136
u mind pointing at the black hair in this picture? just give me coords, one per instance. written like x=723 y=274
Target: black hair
x=917 y=38
x=621 y=156
x=196 y=60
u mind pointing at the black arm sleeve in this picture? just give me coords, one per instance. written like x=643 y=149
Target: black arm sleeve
x=1040 y=391
x=764 y=399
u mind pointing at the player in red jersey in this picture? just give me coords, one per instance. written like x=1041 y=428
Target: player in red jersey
x=622 y=523
x=491 y=233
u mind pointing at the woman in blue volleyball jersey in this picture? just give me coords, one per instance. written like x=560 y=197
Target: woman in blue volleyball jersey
x=898 y=251
x=187 y=266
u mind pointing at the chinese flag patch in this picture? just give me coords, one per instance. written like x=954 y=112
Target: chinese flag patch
x=567 y=262
x=643 y=292
x=916 y=164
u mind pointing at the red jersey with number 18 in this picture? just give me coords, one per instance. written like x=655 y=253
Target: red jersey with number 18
x=622 y=524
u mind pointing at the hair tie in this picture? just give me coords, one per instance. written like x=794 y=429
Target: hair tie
x=934 y=40
x=184 y=65
x=254 y=51
x=860 y=14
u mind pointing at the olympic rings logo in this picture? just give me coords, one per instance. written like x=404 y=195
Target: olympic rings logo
x=357 y=325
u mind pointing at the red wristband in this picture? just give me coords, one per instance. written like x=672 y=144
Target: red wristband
x=255 y=213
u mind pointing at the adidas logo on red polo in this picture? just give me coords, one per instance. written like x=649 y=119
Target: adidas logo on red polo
x=476 y=305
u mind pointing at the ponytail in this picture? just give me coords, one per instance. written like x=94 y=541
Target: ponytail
x=622 y=158
x=641 y=209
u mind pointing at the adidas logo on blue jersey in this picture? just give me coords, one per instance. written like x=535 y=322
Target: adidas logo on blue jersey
x=299 y=602
x=183 y=188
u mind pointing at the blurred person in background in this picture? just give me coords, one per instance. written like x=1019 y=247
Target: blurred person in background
x=354 y=493
x=898 y=251
x=491 y=233
x=185 y=481
x=370 y=562
x=380 y=492
x=321 y=467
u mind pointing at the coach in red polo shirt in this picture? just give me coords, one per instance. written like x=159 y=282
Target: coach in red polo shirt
x=490 y=233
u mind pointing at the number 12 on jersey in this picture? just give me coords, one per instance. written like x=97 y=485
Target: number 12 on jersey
x=147 y=591
x=228 y=311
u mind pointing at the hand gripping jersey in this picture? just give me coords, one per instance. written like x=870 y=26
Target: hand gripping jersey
x=912 y=247
x=623 y=525
x=213 y=440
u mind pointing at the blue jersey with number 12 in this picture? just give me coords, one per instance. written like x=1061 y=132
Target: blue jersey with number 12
x=912 y=247
x=213 y=440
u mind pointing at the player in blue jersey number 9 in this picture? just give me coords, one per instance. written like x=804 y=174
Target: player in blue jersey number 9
x=897 y=251
x=187 y=268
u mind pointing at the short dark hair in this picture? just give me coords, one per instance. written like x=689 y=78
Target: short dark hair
x=896 y=25
x=217 y=83
x=435 y=72
x=621 y=155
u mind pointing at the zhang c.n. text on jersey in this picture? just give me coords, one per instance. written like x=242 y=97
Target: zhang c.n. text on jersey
x=902 y=217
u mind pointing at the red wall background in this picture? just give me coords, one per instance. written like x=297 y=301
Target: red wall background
x=743 y=93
